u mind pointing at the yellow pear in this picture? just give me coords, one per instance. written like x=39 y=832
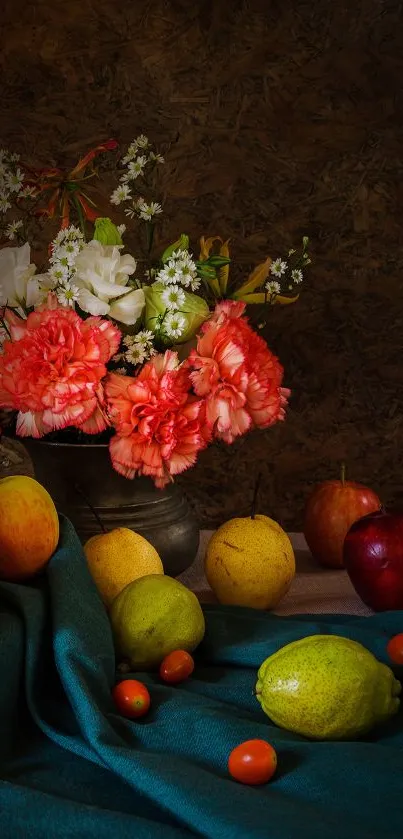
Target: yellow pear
x=117 y=558
x=250 y=562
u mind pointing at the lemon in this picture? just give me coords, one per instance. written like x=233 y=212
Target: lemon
x=152 y=617
x=326 y=687
x=250 y=562
x=117 y=558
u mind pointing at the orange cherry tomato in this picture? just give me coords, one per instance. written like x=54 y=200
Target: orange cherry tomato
x=252 y=762
x=395 y=648
x=131 y=698
x=176 y=667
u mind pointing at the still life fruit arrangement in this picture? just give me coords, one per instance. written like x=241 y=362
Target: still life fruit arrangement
x=321 y=687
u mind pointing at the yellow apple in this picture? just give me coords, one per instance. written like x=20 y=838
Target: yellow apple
x=29 y=527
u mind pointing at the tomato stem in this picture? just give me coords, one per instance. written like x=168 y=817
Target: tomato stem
x=255 y=495
x=343 y=474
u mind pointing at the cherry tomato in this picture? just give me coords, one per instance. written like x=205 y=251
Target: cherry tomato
x=176 y=667
x=252 y=762
x=395 y=648
x=131 y=698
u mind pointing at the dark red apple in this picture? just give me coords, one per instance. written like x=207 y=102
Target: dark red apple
x=330 y=511
x=373 y=557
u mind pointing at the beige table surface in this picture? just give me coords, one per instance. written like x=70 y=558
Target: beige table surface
x=314 y=590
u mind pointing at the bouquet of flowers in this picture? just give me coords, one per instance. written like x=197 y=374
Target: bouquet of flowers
x=161 y=359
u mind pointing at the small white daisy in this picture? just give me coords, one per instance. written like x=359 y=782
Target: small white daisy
x=195 y=284
x=273 y=287
x=66 y=254
x=14 y=158
x=170 y=273
x=118 y=357
x=135 y=168
x=135 y=354
x=121 y=371
x=144 y=337
x=28 y=192
x=67 y=294
x=59 y=273
x=174 y=324
x=121 y=193
x=4 y=204
x=278 y=267
x=12 y=229
x=156 y=158
x=142 y=141
x=173 y=297
x=14 y=180
x=148 y=211
x=297 y=275
x=121 y=228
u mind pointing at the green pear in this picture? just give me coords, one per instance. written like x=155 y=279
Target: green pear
x=326 y=687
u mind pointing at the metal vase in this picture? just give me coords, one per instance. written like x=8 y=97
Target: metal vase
x=79 y=476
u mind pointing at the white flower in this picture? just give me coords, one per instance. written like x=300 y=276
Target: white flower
x=121 y=193
x=14 y=180
x=67 y=294
x=28 y=192
x=297 y=275
x=136 y=354
x=19 y=287
x=273 y=287
x=12 y=229
x=59 y=273
x=4 y=203
x=195 y=284
x=174 y=324
x=170 y=273
x=278 y=267
x=156 y=158
x=68 y=234
x=173 y=297
x=102 y=274
x=144 y=337
x=147 y=211
x=142 y=141
x=135 y=168
x=121 y=228
x=65 y=254
x=122 y=371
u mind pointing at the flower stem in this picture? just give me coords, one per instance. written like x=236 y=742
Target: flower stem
x=81 y=220
x=255 y=495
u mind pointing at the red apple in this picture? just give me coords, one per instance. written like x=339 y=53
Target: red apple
x=373 y=556
x=330 y=511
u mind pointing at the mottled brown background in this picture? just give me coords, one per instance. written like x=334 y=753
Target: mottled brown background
x=278 y=118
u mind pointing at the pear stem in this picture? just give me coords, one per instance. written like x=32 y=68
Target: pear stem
x=255 y=495
x=343 y=474
x=89 y=505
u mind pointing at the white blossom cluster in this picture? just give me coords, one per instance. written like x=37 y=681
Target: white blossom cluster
x=138 y=156
x=65 y=249
x=179 y=270
x=279 y=269
x=11 y=187
x=139 y=348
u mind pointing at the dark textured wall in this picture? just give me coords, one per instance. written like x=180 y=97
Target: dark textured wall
x=279 y=118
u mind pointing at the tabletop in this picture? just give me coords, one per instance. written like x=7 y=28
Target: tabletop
x=314 y=590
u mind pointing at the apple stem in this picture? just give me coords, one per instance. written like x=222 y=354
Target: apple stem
x=89 y=505
x=343 y=474
x=255 y=495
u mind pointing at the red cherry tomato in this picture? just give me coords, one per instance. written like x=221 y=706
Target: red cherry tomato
x=253 y=762
x=176 y=667
x=395 y=648
x=131 y=698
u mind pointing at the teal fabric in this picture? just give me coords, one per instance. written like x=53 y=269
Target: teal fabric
x=70 y=766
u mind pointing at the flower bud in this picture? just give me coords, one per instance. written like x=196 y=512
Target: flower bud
x=106 y=232
x=181 y=244
x=194 y=310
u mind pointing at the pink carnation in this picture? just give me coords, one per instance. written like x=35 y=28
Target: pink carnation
x=51 y=370
x=156 y=420
x=237 y=375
